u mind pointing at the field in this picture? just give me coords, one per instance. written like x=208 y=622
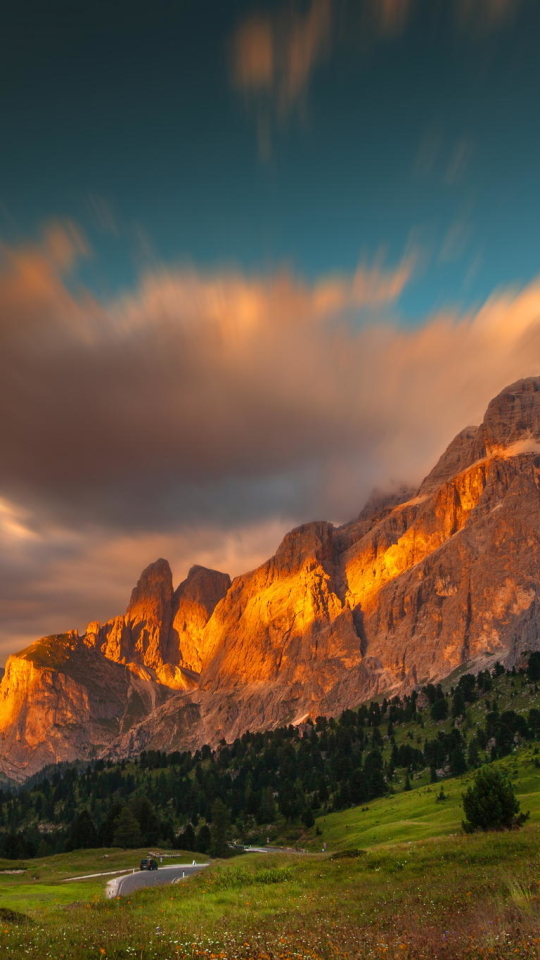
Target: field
x=398 y=879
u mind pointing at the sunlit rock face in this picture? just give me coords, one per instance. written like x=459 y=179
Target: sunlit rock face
x=284 y=621
x=160 y=636
x=193 y=604
x=60 y=699
x=419 y=583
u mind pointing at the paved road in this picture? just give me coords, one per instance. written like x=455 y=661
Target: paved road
x=274 y=850
x=151 y=878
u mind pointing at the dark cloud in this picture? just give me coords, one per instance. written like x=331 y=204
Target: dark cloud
x=144 y=410
x=203 y=415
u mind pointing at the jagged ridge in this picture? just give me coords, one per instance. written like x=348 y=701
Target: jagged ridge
x=421 y=582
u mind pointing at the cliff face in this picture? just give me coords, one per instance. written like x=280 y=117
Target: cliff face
x=419 y=583
x=61 y=700
x=160 y=636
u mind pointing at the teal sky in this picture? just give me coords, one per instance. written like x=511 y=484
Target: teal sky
x=415 y=123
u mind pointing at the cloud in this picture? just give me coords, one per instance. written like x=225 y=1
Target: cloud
x=459 y=160
x=390 y=16
x=205 y=413
x=274 y=57
x=64 y=579
x=486 y=13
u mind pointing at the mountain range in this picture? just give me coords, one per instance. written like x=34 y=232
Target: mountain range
x=420 y=583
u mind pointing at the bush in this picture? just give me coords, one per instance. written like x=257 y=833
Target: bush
x=13 y=916
x=491 y=804
x=349 y=854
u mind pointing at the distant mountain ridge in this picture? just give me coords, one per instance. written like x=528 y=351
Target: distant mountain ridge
x=418 y=584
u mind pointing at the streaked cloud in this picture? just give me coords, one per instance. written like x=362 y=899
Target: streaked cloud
x=459 y=160
x=274 y=57
x=205 y=413
x=486 y=13
x=390 y=15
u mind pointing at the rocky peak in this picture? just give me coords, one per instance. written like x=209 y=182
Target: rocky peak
x=204 y=586
x=193 y=604
x=513 y=415
x=309 y=542
x=459 y=455
x=140 y=638
x=152 y=598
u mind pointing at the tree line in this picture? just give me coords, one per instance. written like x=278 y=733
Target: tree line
x=268 y=784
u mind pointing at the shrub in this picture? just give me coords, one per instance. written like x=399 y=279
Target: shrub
x=491 y=804
x=13 y=916
x=349 y=854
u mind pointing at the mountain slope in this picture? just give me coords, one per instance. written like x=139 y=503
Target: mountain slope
x=418 y=584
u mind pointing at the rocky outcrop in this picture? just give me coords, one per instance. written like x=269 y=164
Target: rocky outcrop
x=160 y=636
x=193 y=604
x=60 y=699
x=512 y=416
x=284 y=621
x=421 y=582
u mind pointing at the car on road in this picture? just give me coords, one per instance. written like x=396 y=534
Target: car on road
x=148 y=864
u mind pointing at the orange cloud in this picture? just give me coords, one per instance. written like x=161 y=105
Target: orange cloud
x=391 y=15
x=254 y=59
x=273 y=59
x=490 y=13
x=237 y=305
x=212 y=411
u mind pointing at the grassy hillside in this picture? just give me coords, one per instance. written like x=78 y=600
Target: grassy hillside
x=416 y=888
x=419 y=814
x=397 y=878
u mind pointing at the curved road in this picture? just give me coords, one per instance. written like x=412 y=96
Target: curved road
x=151 y=878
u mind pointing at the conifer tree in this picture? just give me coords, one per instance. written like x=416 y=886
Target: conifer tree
x=491 y=804
x=83 y=832
x=127 y=832
x=219 y=828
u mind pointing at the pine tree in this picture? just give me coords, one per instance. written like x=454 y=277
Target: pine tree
x=127 y=832
x=83 y=832
x=204 y=839
x=491 y=804
x=533 y=666
x=219 y=828
x=439 y=710
x=458 y=763
x=267 y=809
x=458 y=704
x=147 y=818
x=186 y=839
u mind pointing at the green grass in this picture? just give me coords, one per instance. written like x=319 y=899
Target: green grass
x=450 y=897
x=420 y=889
x=417 y=814
x=42 y=887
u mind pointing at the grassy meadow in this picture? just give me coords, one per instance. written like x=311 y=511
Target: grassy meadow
x=398 y=879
